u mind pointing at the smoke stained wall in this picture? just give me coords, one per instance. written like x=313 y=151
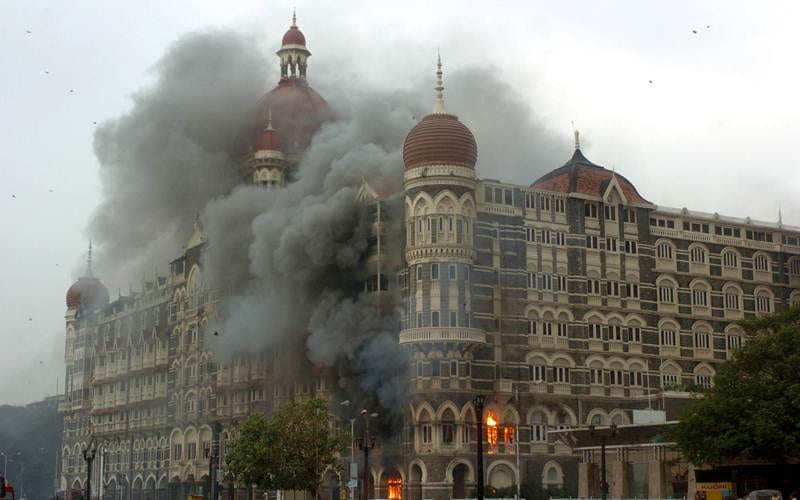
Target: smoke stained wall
x=287 y=260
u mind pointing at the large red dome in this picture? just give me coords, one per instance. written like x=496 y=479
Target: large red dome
x=88 y=291
x=298 y=111
x=440 y=139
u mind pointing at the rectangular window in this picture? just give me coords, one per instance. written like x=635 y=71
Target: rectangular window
x=436 y=368
x=593 y=287
x=561 y=283
x=632 y=290
x=561 y=375
x=630 y=247
x=612 y=288
x=419 y=320
x=615 y=333
x=451 y=271
x=427 y=434
x=615 y=377
x=610 y=212
x=508 y=197
x=434 y=271
x=559 y=203
x=702 y=340
x=537 y=373
x=546 y=281
x=435 y=318
x=635 y=334
x=669 y=380
x=530 y=234
x=487 y=194
x=592 y=241
x=666 y=294
x=420 y=368
x=532 y=327
x=560 y=238
x=636 y=379
x=734 y=342
x=700 y=298
x=453 y=318
x=611 y=244
x=630 y=215
x=563 y=330
x=596 y=376
x=448 y=433
x=547 y=328
x=668 y=338
x=466 y=273
x=595 y=331
x=544 y=236
x=419 y=273
x=453 y=368
x=590 y=210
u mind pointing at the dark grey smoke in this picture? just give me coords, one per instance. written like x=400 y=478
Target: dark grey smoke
x=288 y=262
x=177 y=148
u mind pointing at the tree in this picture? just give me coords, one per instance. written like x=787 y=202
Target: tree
x=751 y=411
x=291 y=450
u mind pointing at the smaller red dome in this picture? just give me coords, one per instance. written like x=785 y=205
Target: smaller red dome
x=267 y=140
x=88 y=290
x=440 y=138
x=294 y=37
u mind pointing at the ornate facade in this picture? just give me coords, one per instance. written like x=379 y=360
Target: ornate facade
x=568 y=302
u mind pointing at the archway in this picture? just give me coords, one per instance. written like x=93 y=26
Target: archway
x=500 y=477
x=391 y=485
x=110 y=492
x=149 y=492
x=136 y=489
x=162 y=491
x=415 y=483
x=460 y=473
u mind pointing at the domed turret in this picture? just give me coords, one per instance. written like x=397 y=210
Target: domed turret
x=266 y=166
x=298 y=111
x=440 y=138
x=88 y=291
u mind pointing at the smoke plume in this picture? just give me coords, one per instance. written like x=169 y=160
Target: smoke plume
x=288 y=262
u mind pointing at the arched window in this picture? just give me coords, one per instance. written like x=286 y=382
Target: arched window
x=666 y=291
x=697 y=255
x=538 y=423
x=703 y=376
x=700 y=295
x=426 y=431
x=730 y=258
x=794 y=266
x=670 y=376
x=448 y=427
x=615 y=374
x=664 y=251
x=763 y=301
x=761 y=262
x=552 y=476
x=733 y=298
x=702 y=337
x=734 y=338
x=669 y=334
x=537 y=370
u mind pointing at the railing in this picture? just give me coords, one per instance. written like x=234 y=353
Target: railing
x=443 y=334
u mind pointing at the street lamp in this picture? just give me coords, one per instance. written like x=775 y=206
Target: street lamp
x=366 y=443
x=603 y=435
x=88 y=455
x=350 y=474
x=478 y=402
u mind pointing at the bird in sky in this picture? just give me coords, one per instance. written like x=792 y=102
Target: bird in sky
x=46 y=72
x=651 y=81
x=13 y=196
x=694 y=31
x=28 y=31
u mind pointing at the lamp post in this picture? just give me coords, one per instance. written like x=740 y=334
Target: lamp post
x=479 y=401
x=88 y=455
x=351 y=492
x=603 y=435
x=367 y=443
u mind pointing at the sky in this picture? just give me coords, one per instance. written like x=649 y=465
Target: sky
x=705 y=120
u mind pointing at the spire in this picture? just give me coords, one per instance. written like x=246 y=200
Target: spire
x=577 y=140
x=294 y=17
x=89 y=261
x=780 y=216
x=269 y=119
x=438 y=106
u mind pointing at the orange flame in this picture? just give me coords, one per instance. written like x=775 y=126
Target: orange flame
x=395 y=487
x=491 y=429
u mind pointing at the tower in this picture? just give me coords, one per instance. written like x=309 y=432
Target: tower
x=440 y=214
x=293 y=52
x=265 y=167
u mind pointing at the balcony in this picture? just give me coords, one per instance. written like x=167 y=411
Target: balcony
x=443 y=334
